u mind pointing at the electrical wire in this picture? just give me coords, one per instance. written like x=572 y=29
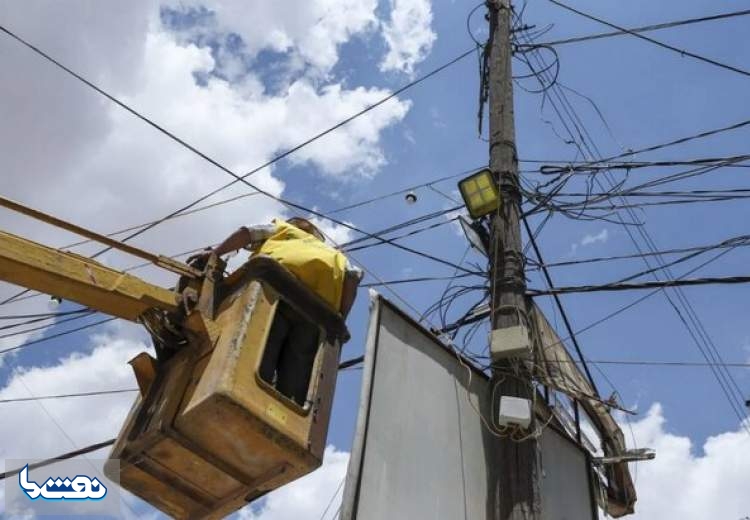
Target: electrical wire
x=71 y=454
x=65 y=396
x=700 y=336
x=419 y=279
x=724 y=280
x=738 y=241
x=681 y=52
x=648 y=28
x=57 y=335
x=77 y=316
x=560 y=307
x=214 y=162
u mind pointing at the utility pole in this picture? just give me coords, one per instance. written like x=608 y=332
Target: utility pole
x=516 y=493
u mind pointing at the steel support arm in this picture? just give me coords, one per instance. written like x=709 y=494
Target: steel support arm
x=79 y=279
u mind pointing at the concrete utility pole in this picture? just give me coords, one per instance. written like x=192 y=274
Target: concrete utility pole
x=516 y=493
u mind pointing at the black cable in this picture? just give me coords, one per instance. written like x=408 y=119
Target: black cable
x=64 y=456
x=42 y=316
x=110 y=442
x=659 y=363
x=64 y=396
x=401 y=225
x=59 y=334
x=77 y=316
x=19 y=296
x=648 y=28
x=681 y=140
x=642 y=285
x=681 y=52
x=558 y=303
x=590 y=168
x=724 y=380
x=419 y=279
x=739 y=241
x=404 y=235
x=405 y=190
x=217 y=164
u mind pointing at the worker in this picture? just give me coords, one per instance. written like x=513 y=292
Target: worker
x=299 y=246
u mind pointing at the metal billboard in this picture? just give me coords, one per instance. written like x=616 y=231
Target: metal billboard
x=421 y=450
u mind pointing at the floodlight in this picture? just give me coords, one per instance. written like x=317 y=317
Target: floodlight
x=480 y=193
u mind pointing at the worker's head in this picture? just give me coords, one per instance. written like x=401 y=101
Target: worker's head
x=306 y=226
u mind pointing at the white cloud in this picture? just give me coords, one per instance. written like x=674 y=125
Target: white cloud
x=307 y=497
x=102 y=168
x=311 y=31
x=690 y=485
x=589 y=239
x=408 y=34
x=85 y=420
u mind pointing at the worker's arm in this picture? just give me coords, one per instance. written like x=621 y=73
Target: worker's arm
x=243 y=237
x=237 y=240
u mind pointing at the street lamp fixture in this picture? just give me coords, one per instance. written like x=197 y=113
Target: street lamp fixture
x=480 y=193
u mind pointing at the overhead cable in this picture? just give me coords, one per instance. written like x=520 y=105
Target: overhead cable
x=216 y=163
x=641 y=285
x=558 y=303
x=648 y=28
x=681 y=52
x=64 y=456
x=65 y=396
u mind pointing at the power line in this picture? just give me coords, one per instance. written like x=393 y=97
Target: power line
x=558 y=303
x=418 y=279
x=214 y=162
x=58 y=335
x=647 y=28
x=95 y=447
x=681 y=52
x=64 y=456
x=86 y=312
x=65 y=396
x=20 y=295
x=77 y=316
x=739 y=241
x=700 y=335
x=642 y=285
x=592 y=168
x=405 y=190
x=681 y=140
x=623 y=362
x=42 y=316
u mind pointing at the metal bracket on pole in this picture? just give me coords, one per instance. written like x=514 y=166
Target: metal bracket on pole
x=628 y=456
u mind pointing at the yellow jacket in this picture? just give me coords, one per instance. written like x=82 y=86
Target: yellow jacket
x=319 y=266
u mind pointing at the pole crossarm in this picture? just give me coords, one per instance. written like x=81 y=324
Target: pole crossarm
x=79 y=279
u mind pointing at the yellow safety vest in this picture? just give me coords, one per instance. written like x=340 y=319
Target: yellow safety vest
x=319 y=266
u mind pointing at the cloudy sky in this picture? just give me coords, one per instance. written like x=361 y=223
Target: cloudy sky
x=246 y=81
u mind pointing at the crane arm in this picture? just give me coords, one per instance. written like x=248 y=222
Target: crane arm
x=79 y=279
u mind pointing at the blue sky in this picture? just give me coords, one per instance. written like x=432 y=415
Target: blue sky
x=648 y=95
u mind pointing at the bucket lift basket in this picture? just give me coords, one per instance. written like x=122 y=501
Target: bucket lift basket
x=209 y=435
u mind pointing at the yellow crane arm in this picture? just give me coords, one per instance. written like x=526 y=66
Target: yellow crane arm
x=79 y=279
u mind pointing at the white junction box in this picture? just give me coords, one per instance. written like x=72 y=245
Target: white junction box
x=510 y=342
x=514 y=411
